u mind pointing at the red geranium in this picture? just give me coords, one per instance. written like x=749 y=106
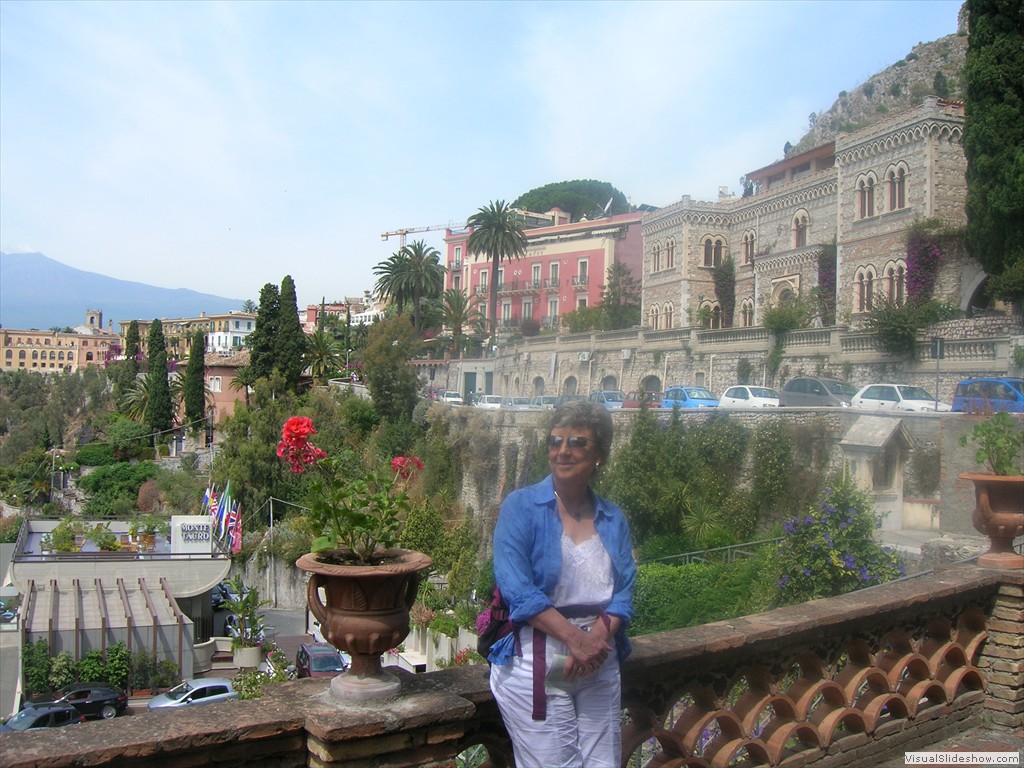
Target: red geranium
x=406 y=467
x=295 y=447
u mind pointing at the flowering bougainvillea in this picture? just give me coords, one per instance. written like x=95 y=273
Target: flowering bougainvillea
x=923 y=260
x=831 y=548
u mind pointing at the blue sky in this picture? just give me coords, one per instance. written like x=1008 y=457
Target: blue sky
x=221 y=146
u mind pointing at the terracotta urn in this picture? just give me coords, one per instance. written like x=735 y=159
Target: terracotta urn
x=365 y=613
x=999 y=514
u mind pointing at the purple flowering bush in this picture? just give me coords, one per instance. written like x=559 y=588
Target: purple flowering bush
x=831 y=548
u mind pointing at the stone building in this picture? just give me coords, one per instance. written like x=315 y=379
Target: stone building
x=863 y=191
x=85 y=346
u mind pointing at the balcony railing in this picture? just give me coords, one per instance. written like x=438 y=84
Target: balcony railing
x=580 y=281
x=840 y=682
x=551 y=282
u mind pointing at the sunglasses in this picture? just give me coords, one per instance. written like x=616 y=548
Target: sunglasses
x=555 y=441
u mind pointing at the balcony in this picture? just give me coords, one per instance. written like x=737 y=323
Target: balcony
x=551 y=282
x=481 y=290
x=846 y=681
x=580 y=282
x=507 y=286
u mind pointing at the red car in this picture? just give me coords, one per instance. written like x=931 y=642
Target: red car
x=633 y=399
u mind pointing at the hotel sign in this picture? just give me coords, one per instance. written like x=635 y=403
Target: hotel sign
x=192 y=533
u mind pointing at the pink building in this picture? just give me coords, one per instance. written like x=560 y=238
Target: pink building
x=565 y=267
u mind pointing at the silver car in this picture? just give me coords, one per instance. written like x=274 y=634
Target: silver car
x=191 y=693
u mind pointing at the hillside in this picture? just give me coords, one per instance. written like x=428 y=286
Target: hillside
x=38 y=292
x=930 y=69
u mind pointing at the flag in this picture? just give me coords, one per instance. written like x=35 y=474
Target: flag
x=223 y=509
x=235 y=528
x=206 y=497
x=211 y=502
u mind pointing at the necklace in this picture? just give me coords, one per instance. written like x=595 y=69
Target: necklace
x=577 y=514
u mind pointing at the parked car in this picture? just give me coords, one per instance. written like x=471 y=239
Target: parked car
x=544 y=401
x=563 y=399
x=816 y=391
x=488 y=401
x=688 y=397
x=896 y=397
x=320 y=660
x=191 y=693
x=90 y=699
x=989 y=394
x=516 y=403
x=35 y=718
x=451 y=398
x=609 y=398
x=744 y=396
x=634 y=399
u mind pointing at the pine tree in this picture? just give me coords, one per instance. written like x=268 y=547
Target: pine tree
x=291 y=341
x=195 y=385
x=159 y=414
x=263 y=339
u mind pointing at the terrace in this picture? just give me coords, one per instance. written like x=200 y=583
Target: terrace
x=846 y=681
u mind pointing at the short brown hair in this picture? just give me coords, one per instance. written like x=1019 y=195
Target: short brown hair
x=584 y=414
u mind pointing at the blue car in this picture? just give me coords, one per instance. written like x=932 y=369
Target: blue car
x=688 y=397
x=989 y=395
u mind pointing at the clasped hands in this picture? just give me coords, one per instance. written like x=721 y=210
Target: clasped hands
x=588 y=650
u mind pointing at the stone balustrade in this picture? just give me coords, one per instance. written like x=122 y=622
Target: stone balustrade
x=832 y=682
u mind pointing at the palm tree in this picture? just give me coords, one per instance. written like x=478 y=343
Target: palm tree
x=323 y=355
x=243 y=379
x=424 y=277
x=498 y=234
x=133 y=404
x=390 y=281
x=459 y=311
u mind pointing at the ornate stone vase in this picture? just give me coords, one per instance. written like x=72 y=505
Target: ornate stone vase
x=999 y=514
x=365 y=614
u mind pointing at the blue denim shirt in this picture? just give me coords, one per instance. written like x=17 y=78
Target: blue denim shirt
x=528 y=559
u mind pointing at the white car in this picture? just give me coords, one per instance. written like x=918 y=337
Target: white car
x=516 y=403
x=896 y=397
x=488 y=401
x=451 y=398
x=192 y=693
x=744 y=396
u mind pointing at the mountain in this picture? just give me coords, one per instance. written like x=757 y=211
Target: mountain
x=38 y=292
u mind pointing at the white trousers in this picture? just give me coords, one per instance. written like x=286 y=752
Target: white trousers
x=584 y=718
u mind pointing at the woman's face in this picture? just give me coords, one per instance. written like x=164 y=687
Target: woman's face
x=572 y=455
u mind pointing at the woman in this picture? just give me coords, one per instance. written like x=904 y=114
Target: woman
x=563 y=561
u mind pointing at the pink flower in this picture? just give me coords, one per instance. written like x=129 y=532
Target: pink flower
x=295 y=447
x=406 y=467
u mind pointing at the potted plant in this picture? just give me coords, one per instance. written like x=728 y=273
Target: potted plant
x=246 y=624
x=102 y=538
x=151 y=525
x=65 y=537
x=370 y=584
x=999 y=509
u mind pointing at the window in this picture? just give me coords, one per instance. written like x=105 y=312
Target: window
x=746 y=313
x=897 y=178
x=35 y=354
x=583 y=273
x=10 y=353
x=713 y=251
x=536 y=275
x=652 y=317
x=667 y=315
x=553 y=309
x=800 y=226
x=501 y=278
x=865 y=286
x=214 y=383
x=748 y=248
x=88 y=357
x=670 y=253
x=483 y=279
x=656 y=257
x=716 y=317
x=896 y=282
x=456 y=281
x=527 y=310
x=458 y=255
x=21 y=354
x=866 y=196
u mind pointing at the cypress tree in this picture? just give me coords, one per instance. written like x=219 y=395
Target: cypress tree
x=159 y=414
x=263 y=339
x=195 y=389
x=291 y=341
x=131 y=348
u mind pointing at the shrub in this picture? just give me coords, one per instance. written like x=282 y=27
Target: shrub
x=36 y=663
x=831 y=549
x=92 y=667
x=445 y=625
x=143 y=667
x=62 y=670
x=96 y=455
x=118 y=665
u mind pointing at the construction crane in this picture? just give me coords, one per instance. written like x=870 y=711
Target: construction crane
x=403 y=232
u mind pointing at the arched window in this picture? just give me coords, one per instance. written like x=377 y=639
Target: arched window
x=709 y=253
x=21 y=354
x=88 y=357
x=656 y=257
x=667 y=315
x=896 y=282
x=865 y=284
x=800 y=226
x=653 y=317
x=747 y=313
x=670 y=253
x=716 y=316
x=35 y=354
x=53 y=355
x=866 y=194
x=897 y=178
x=748 y=248
x=9 y=354
x=718 y=252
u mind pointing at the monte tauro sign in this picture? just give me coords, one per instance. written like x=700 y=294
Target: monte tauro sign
x=192 y=533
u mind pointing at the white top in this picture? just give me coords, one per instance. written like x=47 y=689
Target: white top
x=586 y=575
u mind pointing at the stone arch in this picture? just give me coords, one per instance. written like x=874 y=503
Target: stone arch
x=538 y=385
x=970 y=288
x=609 y=382
x=570 y=386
